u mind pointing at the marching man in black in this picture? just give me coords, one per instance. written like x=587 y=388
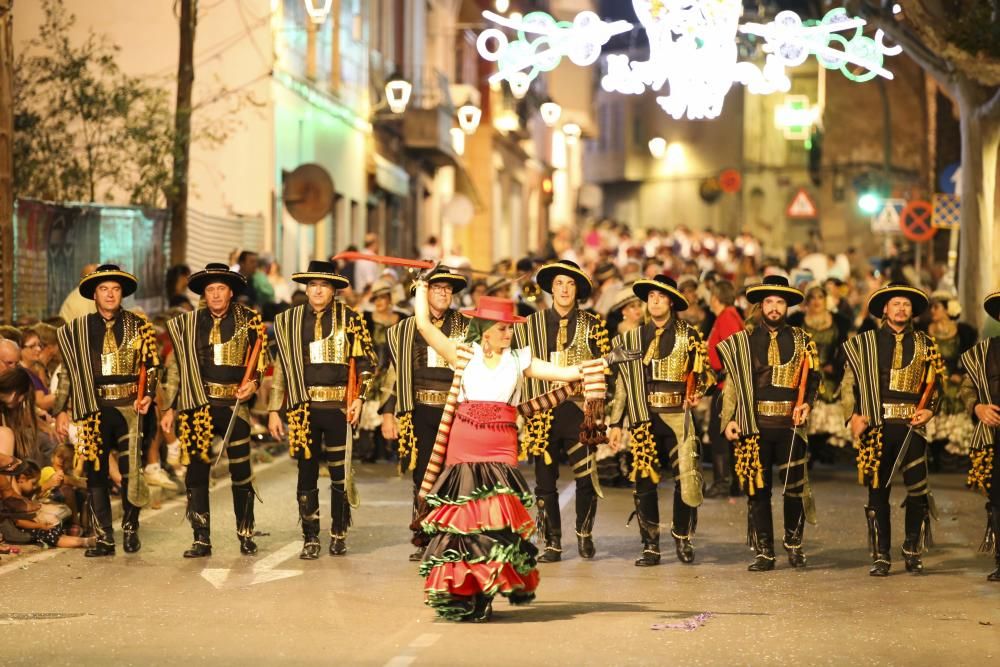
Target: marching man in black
x=323 y=376
x=413 y=412
x=981 y=395
x=656 y=392
x=109 y=375
x=772 y=379
x=220 y=352
x=888 y=391
x=565 y=336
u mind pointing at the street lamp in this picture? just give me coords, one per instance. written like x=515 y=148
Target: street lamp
x=658 y=147
x=550 y=113
x=318 y=10
x=572 y=132
x=397 y=94
x=468 y=117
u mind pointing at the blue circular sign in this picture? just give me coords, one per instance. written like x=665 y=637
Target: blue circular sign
x=948 y=179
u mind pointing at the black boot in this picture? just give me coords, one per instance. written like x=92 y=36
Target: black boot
x=340 y=520
x=550 y=525
x=760 y=536
x=878 y=539
x=585 y=528
x=647 y=515
x=243 y=497
x=130 y=527
x=201 y=522
x=720 y=483
x=918 y=532
x=685 y=520
x=795 y=520
x=100 y=510
x=991 y=540
x=309 y=514
x=420 y=539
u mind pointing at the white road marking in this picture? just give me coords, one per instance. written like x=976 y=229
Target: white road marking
x=262 y=571
x=567 y=495
x=409 y=655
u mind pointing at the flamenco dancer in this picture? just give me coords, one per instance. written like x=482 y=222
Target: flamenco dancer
x=479 y=527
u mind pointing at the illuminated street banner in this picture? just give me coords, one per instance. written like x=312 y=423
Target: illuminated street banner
x=693 y=57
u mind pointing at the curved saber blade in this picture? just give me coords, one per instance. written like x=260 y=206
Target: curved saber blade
x=229 y=433
x=902 y=454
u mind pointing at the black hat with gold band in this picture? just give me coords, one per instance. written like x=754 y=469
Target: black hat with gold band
x=564 y=267
x=216 y=273
x=878 y=300
x=660 y=283
x=775 y=286
x=444 y=274
x=992 y=305
x=322 y=270
x=108 y=273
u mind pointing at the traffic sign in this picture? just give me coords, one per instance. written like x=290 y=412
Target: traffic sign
x=915 y=221
x=950 y=179
x=802 y=206
x=730 y=181
x=886 y=221
x=947 y=211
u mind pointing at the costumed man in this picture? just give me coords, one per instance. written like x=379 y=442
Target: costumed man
x=109 y=376
x=656 y=392
x=565 y=336
x=422 y=380
x=888 y=391
x=772 y=378
x=220 y=352
x=323 y=376
x=981 y=395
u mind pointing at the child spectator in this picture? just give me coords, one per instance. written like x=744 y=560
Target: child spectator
x=43 y=528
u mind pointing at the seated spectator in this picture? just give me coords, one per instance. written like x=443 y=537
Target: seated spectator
x=10 y=354
x=32 y=362
x=42 y=527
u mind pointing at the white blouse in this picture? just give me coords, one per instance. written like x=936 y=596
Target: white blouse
x=500 y=384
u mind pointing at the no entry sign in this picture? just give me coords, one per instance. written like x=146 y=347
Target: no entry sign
x=915 y=221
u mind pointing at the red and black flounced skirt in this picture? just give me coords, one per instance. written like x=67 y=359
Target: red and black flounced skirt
x=479 y=526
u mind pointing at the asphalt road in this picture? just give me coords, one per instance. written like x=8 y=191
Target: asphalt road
x=155 y=608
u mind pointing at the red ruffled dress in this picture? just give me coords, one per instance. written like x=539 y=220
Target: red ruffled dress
x=479 y=525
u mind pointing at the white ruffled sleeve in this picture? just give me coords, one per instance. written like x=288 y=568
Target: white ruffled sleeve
x=524 y=358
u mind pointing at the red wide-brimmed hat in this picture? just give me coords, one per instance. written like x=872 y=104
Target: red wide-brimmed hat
x=495 y=309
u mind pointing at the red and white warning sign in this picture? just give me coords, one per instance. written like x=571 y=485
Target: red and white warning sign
x=802 y=206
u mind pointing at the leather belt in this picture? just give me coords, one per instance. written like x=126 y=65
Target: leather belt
x=775 y=408
x=217 y=390
x=117 y=392
x=665 y=399
x=430 y=397
x=898 y=410
x=322 y=394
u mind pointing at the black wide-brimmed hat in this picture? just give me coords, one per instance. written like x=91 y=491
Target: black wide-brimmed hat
x=660 y=283
x=444 y=274
x=623 y=297
x=877 y=301
x=564 y=267
x=108 y=273
x=322 y=270
x=775 y=286
x=216 y=273
x=992 y=305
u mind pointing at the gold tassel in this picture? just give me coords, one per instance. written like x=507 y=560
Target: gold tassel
x=536 y=437
x=643 y=453
x=298 y=432
x=406 y=444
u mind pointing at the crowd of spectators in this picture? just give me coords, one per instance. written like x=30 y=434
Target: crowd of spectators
x=42 y=483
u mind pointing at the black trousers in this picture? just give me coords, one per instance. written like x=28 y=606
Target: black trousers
x=776 y=448
x=117 y=424
x=426 y=419
x=328 y=433
x=917 y=503
x=240 y=470
x=994 y=495
x=565 y=435
x=685 y=517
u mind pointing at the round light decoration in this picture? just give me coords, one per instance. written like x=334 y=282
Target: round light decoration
x=397 y=94
x=318 y=10
x=693 y=60
x=519 y=84
x=572 y=132
x=658 y=147
x=457 y=140
x=469 y=117
x=502 y=6
x=550 y=113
